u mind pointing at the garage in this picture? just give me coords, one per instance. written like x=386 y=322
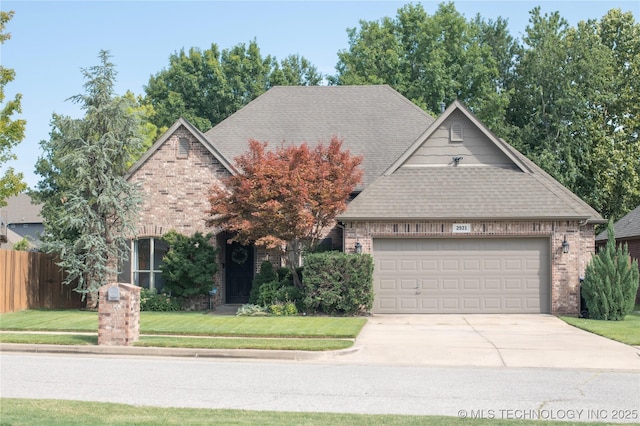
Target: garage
x=461 y=275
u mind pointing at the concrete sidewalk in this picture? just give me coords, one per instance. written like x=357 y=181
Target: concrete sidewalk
x=535 y=341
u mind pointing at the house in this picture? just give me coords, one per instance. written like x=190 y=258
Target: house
x=455 y=218
x=627 y=231
x=20 y=219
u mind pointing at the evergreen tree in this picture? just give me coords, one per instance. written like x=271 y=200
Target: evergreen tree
x=611 y=281
x=89 y=208
x=189 y=266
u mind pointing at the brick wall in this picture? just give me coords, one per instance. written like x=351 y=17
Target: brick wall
x=175 y=193
x=175 y=190
x=566 y=268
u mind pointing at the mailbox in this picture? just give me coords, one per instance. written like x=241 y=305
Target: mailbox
x=113 y=294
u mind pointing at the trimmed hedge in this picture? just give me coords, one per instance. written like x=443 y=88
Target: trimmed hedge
x=338 y=283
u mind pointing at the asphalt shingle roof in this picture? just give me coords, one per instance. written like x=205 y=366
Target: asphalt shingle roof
x=464 y=193
x=523 y=191
x=19 y=209
x=374 y=121
x=627 y=227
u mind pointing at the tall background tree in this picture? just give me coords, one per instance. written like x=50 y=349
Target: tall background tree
x=434 y=58
x=565 y=96
x=89 y=208
x=575 y=107
x=11 y=131
x=285 y=199
x=207 y=86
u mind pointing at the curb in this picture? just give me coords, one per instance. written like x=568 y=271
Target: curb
x=176 y=352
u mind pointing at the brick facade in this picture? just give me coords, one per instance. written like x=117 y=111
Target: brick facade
x=566 y=268
x=175 y=189
x=175 y=193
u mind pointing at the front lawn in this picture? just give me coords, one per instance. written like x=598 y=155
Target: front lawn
x=189 y=323
x=627 y=331
x=170 y=330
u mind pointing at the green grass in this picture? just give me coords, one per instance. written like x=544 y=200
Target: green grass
x=189 y=323
x=168 y=330
x=298 y=344
x=49 y=339
x=627 y=331
x=35 y=412
x=306 y=344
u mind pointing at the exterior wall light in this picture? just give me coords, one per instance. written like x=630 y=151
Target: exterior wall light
x=358 y=247
x=565 y=245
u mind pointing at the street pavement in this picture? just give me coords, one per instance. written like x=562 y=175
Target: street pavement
x=500 y=341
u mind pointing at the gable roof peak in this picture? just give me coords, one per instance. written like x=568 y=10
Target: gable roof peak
x=200 y=137
x=456 y=105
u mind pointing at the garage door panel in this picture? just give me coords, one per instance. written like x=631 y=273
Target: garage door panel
x=408 y=284
x=410 y=303
x=387 y=265
x=385 y=284
x=429 y=284
x=513 y=264
x=471 y=284
x=462 y=275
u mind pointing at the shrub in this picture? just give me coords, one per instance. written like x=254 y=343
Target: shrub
x=189 y=265
x=271 y=287
x=283 y=309
x=150 y=300
x=22 y=245
x=338 y=283
x=611 y=281
x=251 y=310
x=267 y=274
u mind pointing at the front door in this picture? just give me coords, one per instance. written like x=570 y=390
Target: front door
x=239 y=272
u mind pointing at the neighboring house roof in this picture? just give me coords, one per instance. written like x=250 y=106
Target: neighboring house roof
x=19 y=209
x=512 y=187
x=627 y=227
x=193 y=130
x=373 y=121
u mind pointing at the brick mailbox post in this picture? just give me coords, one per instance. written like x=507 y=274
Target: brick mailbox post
x=119 y=314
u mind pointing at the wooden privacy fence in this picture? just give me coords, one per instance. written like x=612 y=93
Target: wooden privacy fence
x=33 y=281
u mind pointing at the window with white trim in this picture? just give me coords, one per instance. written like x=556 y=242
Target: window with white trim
x=147 y=258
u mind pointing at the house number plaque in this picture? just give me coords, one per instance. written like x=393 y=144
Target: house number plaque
x=461 y=228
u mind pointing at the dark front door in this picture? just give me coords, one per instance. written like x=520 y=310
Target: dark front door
x=239 y=272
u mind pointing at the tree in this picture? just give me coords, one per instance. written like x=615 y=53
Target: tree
x=434 y=59
x=611 y=281
x=11 y=131
x=189 y=265
x=285 y=199
x=149 y=131
x=89 y=208
x=207 y=86
x=575 y=106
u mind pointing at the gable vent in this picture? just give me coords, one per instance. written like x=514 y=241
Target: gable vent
x=456 y=132
x=183 y=148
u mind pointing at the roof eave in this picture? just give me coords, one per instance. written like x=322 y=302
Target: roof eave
x=586 y=220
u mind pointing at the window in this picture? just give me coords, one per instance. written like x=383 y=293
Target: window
x=456 y=132
x=183 y=148
x=147 y=258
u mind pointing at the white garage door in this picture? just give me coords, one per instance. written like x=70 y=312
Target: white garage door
x=461 y=275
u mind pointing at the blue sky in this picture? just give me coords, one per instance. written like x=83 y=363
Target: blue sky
x=52 y=40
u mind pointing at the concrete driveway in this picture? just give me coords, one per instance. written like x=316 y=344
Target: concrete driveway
x=542 y=341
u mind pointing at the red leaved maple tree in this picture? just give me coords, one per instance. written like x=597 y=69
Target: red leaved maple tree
x=287 y=198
